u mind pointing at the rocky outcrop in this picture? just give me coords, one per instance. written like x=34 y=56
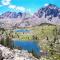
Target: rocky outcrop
x=15 y=54
x=49 y=10
x=1 y=55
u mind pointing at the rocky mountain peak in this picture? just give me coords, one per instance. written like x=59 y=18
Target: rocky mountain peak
x=50 y=10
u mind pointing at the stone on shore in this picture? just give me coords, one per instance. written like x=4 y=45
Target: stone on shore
x=15 y=54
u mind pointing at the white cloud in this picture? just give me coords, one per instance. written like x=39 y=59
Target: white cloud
x=29 y=10
x=19 y=8
x=5 y=2
x=9 y=5
x=46 y=4
x=12 y=6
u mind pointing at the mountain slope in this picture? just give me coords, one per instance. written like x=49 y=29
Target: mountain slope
x=47 y=14
x=50 y=10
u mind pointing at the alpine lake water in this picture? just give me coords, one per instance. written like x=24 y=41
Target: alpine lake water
x=30 y=45
x=22 y=30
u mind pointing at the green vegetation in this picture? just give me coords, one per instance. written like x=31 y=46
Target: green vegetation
x=47 y=36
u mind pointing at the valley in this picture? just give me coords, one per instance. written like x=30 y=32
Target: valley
x=47 y=37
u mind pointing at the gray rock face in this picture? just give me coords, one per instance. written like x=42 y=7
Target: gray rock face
x=15 y=15
x=50 y=10
x=1 y=55
x=15 y=54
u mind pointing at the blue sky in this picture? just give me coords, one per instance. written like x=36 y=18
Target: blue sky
x=25 y=5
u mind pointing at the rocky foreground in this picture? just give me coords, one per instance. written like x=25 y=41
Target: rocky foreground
x=15 y=54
